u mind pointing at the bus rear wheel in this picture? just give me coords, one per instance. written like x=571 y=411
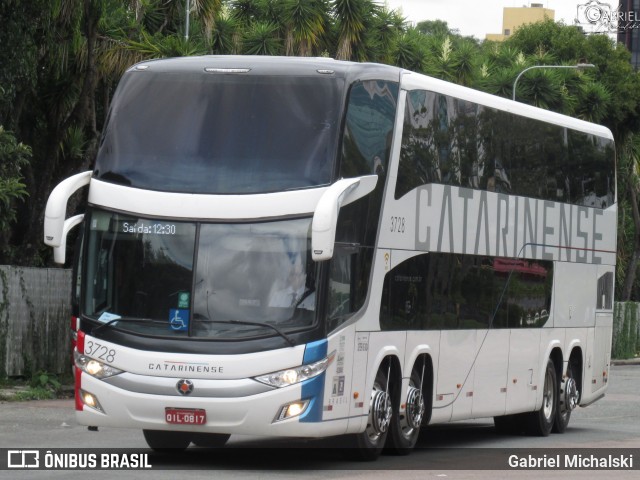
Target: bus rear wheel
x=568 y=400
x=166 y=441
x=405 y=427
x=541 y=421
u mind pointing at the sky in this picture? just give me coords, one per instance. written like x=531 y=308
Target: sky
x=479 y=17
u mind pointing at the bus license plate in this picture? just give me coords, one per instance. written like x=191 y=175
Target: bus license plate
x=185 y=416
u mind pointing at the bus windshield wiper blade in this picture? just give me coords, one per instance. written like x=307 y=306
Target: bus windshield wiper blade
x=298 y=302
x=126 y=320
x=255 y=324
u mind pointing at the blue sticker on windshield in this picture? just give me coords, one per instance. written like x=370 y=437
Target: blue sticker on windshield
x=179 y=320
x=108 y=317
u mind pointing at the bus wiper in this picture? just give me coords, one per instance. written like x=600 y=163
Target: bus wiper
x=303 y=297
x=126 y=320
x=298 y=302
x=254 y=324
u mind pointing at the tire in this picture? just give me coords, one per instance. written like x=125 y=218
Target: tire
x=166 y=441
x=568 y=399
x=368 y=445
x=209 y=440
x=541 y=421
x=509 y=424
x=405 y=427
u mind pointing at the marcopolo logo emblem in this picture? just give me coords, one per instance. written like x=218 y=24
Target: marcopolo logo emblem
x=23 y=459
x=185 y=387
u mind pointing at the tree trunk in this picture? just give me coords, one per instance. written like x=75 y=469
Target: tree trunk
x=632 y=267
x=83 y=116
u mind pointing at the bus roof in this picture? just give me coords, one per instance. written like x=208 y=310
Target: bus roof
x=272 y=66
x=352 y=71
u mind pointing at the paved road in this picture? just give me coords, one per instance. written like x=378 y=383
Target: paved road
x=613 y=422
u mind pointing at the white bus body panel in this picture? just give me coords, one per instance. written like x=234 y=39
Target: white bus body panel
x=524 y=369
x=491 y=389
x=447 y=218
x=575 y=292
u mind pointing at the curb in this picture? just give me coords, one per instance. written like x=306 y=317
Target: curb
x=7 y=394
x=625 y=361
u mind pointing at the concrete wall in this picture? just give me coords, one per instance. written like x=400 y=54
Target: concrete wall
x=35 y=312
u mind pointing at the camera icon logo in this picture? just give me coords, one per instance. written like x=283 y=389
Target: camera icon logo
x=23 y=458
x=601 y=17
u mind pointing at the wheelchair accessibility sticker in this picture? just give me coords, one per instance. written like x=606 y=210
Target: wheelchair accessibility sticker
x=179 y=320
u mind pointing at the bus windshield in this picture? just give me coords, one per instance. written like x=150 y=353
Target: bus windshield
x=185 y=279
x=221 y=134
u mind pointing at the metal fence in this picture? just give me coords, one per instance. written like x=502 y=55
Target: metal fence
x=626 y=330
x=34 y=320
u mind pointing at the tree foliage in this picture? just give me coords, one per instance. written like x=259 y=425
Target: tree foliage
x=13 y=157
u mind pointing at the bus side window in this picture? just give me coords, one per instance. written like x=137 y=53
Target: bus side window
x=340 y=276
x=418 y=151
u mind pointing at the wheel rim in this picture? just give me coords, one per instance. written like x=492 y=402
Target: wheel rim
x=414 y=412
x=379 y=413
x=570 y=395
x=547 y=401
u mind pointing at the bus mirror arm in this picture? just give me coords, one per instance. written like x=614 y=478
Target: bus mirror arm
x=325 y=217
x=55 y=225
x=60 y=252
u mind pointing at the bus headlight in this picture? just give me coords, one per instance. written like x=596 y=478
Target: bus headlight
x=94 y=367
x=291 y=376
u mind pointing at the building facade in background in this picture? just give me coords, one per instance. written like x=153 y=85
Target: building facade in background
x=628 y=33
x=515 y=17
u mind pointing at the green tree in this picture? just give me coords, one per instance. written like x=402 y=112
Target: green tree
x=13 y=157
x=630 y=169
x=352 y=17
x=306 y=23
x=225 y=35
x=409 y=51
x=262 y=39
x=437 y=28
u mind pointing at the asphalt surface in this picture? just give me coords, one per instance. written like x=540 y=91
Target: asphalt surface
x=459 y=450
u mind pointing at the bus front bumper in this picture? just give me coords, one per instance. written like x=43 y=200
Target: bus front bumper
x=250 y=415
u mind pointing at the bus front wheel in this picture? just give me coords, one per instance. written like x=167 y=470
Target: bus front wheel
x=541 y=421
x=209 y=440
x=166 y=441
x=368 y=444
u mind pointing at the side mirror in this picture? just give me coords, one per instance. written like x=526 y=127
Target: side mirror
x=56 y=227
x=325 y=217
x=60 y=252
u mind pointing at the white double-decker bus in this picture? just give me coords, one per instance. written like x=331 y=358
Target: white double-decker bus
x=314 y=248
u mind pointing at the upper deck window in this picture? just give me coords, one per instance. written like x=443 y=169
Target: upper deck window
x=450 y=141
x=221 y=133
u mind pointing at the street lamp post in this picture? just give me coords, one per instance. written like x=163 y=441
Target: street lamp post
x=579 y=66
x=186 y=21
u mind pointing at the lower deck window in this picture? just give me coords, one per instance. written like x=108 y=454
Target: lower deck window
x=450 y=291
